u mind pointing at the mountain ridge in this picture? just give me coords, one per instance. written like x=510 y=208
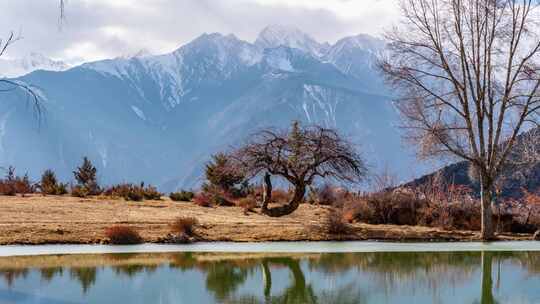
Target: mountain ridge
x=158 y=118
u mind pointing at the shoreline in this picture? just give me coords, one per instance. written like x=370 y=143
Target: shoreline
x=270 y=247
x=61 y=220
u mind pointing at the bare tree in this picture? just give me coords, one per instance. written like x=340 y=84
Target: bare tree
x=299 y=155
x=12 y=85
x=468 y=80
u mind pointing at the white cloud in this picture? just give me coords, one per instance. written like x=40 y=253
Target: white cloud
x=97 y=29
x=343 y=8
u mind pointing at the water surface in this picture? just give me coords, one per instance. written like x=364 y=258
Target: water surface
x=257 y=277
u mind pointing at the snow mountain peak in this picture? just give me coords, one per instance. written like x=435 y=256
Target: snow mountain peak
x=278 y=35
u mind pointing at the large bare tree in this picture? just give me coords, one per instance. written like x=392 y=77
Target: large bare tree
x=299 y=155
x=467 y=78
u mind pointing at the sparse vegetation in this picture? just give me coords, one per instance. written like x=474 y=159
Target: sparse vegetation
x=335 y=224
x=327 y=194
x=150 y=192
x=86 y=177
x=123 y=235
x=224 y=181
x=248 y=204
x=222 y=175
x=49 y=184
x=79 y=191
x=131 y=192
x=182 y=196
x=436 y=205
x=12 y=184
x=184 y=225
x=202 y=199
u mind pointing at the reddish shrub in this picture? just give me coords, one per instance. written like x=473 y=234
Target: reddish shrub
x=123 y=235
x=530 y=198
x=202 y=199
x=184 y=225
x=7 y=188
x=13 y=184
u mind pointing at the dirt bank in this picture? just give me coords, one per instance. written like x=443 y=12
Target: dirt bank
x=53 y=219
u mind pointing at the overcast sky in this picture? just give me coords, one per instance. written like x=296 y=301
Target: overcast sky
x=98 y=29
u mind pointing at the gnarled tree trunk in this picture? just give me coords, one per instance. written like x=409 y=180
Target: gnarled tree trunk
x=299 y=193
x=267 y=195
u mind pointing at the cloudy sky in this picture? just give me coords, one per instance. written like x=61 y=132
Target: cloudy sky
x=98 y=29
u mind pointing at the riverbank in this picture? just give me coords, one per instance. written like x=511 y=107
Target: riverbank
x=68 y=220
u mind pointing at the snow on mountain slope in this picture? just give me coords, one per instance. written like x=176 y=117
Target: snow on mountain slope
x=158 y=118
x=27 y=64
x=276 y=35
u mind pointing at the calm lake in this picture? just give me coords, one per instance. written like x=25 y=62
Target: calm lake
x=273 y=277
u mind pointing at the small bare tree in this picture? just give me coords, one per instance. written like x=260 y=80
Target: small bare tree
x=11 y=85
x=468 y=78
x=299 y=155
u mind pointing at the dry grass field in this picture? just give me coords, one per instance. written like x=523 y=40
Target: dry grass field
x=40 y=219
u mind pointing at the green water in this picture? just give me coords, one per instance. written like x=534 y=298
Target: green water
x=228 y=277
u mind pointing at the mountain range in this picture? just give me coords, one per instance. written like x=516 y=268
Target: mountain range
x=158 y=118
x=34 y=61
x=522 y=175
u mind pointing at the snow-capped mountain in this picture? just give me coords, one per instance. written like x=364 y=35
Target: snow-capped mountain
x=27 y=64
x=158 y=118
x=278 y=35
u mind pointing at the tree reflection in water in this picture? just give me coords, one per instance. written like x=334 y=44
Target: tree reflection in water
x=86 y=276
x=224 y=276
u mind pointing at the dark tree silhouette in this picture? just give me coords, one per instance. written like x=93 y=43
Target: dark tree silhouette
x=86 y=176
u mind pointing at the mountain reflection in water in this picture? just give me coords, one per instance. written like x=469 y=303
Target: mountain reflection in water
x=459 y=277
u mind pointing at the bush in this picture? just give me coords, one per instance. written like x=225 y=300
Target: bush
x=151 y=193
x=326 y=195
x=7 y=188
x=202 y=199
x=335 y=223
x=449 y=208
x=62 y=189
x=86 y=177
x=222 y=199
x=184 y=225
x=182 y=196
x=120 y=190
x=12 y=184
x=222 y=173
x=131 y=192
x=50 y=185
x=79 y=191
x=123 y=235
x=135 y=196
x=248 y=204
